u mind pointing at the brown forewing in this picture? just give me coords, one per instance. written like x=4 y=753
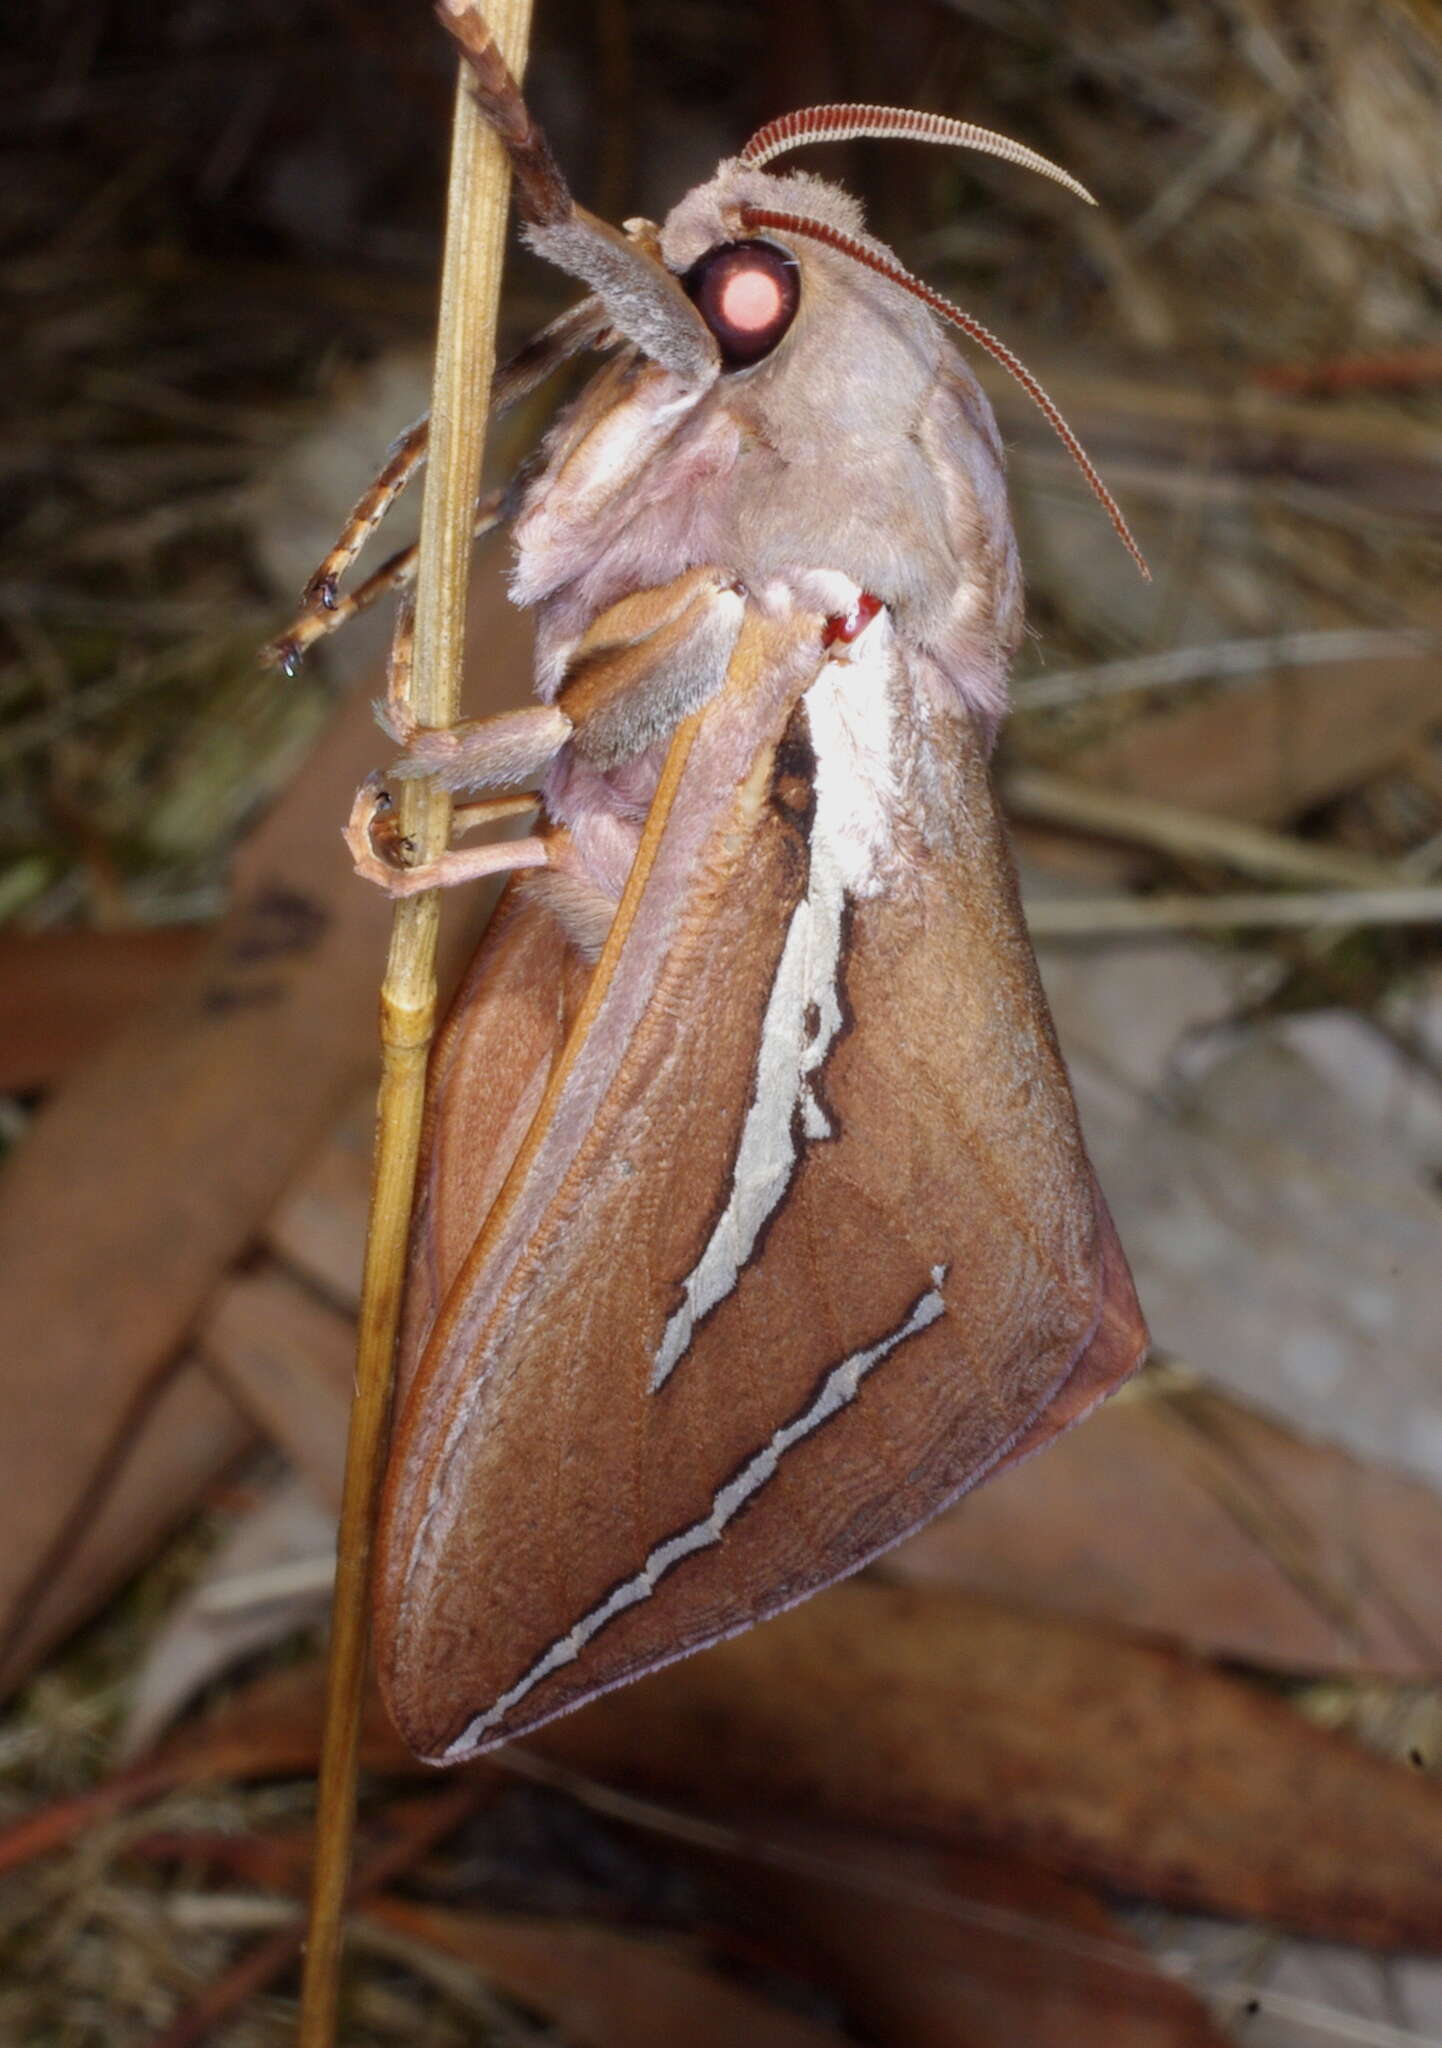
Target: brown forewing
x=539 y=1471
x=493 y=1058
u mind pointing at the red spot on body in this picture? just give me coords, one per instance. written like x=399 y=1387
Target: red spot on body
x=845 y=626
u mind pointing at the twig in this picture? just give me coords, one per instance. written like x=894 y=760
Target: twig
x=465 y=353
x=1272 y=856
x=1400 y=369
x=1112 y=916
x=1219 y=662
x=300 y=1578
x=55 y=1826
x=420 y=1828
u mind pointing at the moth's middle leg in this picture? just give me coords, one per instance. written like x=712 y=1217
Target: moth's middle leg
x=639 y=669
x=512 y=748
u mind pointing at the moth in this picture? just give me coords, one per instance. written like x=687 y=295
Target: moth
x=755 y=1224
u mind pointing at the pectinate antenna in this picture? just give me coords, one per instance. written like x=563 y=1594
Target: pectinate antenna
x=888 y=267
x=843 y=124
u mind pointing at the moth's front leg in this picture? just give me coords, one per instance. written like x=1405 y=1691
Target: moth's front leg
x=317 y=620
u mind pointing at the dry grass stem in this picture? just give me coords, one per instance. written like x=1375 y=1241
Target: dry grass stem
x=1095 y=917
x=1170 y=828
x=1222 y=661
x=465 y=353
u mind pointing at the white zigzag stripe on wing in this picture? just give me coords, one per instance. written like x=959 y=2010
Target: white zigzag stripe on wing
x=839 y=1388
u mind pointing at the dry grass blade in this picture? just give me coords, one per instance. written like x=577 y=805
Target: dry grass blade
x=1223 y=660
x=1116 y=916
x=1170 y=828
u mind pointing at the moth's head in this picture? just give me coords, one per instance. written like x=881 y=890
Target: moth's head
x=759 y=251
x=811 y=343
x=772 y=278
x=748 y=284
x=755 y=268
x=813 y=346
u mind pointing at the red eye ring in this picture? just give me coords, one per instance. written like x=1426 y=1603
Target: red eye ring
x=747 y=293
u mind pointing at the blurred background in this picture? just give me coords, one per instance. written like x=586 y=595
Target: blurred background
x=1148 y=1749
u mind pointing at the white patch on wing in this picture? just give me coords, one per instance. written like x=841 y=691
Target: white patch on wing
x=850 y=715
x=840 y=1387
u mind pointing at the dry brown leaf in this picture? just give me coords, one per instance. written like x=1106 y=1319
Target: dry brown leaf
x=320 y=1226
x=601 y=1988
x=187 y=1433
x=1179 y=1512
x=154 y=1167
x=943 y=1950
x=62 y=994
x=289 y=1361
x=919 y=1711
x=1275 y=749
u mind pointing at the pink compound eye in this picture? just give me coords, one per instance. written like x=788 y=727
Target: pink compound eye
x=747 y=293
